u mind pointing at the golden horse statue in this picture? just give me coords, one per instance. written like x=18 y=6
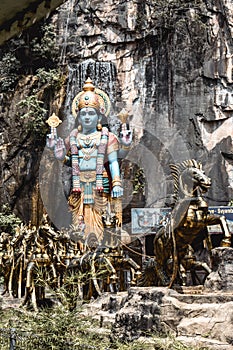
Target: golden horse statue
x=189 y=219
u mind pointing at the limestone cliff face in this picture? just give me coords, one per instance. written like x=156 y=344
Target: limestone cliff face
x=19 y=155
x=169 y=64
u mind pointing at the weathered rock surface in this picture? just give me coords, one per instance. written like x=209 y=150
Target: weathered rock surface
x=170 y=66
x=194 y=317
x=221 y=277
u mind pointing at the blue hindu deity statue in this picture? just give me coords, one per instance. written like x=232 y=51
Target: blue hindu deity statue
x=91 y=151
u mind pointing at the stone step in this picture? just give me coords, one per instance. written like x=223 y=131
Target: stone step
x=199 y=341
x=199 y=295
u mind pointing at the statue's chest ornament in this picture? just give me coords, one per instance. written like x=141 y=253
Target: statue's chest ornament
x=87 y=144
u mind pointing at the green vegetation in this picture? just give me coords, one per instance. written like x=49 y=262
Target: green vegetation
x=46 y=47
x=8 y=220
x=34 y=114
x=51 y=78
x=58 y=329
x=32 y=109
x=9 y=66
x=37 y=47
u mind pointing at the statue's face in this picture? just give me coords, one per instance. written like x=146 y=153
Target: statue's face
x=88 y=118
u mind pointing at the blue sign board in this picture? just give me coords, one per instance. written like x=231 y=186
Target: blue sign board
x=148 y=220
x=227 y=212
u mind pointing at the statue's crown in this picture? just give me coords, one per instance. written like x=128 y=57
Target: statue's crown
x=91 y=97
x=88 y=86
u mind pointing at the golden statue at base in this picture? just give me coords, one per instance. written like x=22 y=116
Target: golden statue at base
x=189 y=217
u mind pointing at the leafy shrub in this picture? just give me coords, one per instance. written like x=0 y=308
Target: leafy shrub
x=52 y=77
x=8 y=220
x=59 y=329
x=34 y=115
x=46 y=47
x=9 y=66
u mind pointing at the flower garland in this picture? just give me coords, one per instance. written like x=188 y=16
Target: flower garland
x=76 y=186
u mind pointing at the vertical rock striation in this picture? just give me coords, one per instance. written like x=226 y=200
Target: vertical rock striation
x=172 y=67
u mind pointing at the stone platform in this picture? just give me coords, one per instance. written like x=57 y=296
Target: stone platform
x=200 y=315
x=193 y=316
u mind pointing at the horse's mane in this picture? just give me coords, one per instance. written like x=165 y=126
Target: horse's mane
x=177 y=169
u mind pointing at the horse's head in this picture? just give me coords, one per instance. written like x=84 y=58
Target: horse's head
x=201 y=179
x=192 y=179
x=189 y=177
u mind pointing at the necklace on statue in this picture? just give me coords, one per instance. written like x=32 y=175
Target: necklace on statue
x=88 y=151
x=88 y=148
x=100 y=143
x=87 y=139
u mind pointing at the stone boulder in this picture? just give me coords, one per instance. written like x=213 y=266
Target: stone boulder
x=221 y=277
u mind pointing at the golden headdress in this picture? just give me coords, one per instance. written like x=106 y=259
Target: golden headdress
x=91 y=97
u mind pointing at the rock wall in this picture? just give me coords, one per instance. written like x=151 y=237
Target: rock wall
x=170 y=66
x=220 y=279
x=20 y=156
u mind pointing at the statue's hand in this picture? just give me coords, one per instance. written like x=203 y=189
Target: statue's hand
x=117 y=191
x=59 y=149
x=51 y=140
x=126 y=135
